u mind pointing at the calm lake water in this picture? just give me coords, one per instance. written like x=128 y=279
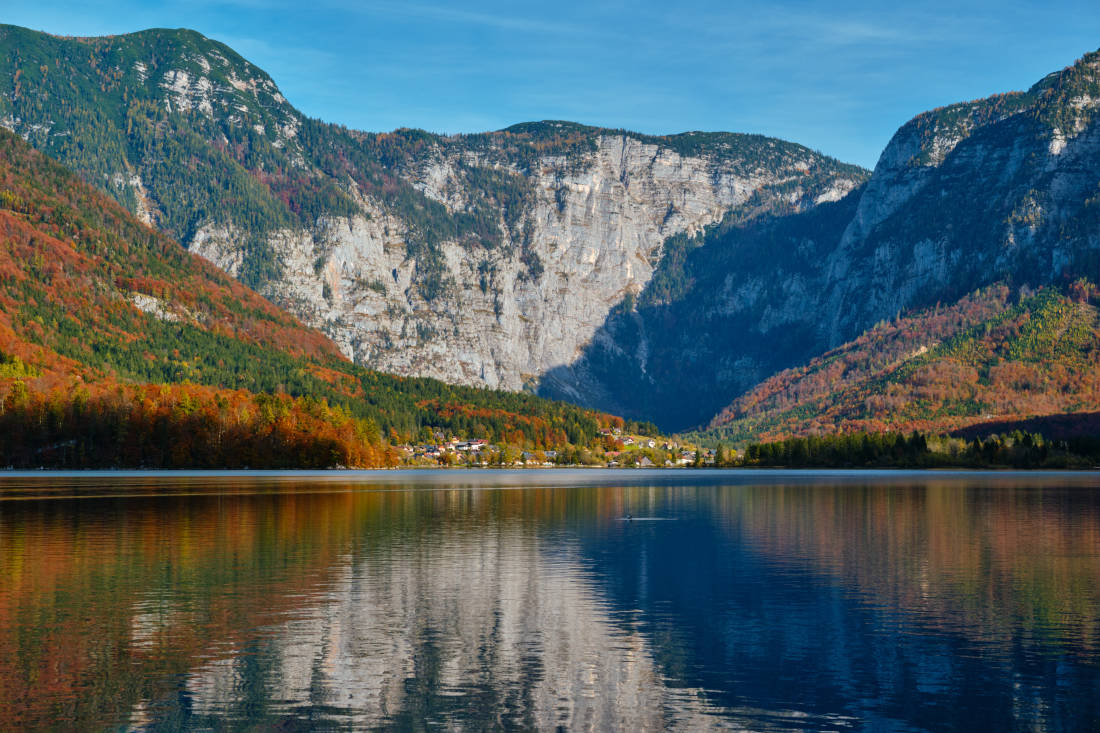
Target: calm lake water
x=414 y=600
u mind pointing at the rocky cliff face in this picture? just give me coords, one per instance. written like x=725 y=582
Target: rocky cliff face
x=726 y=310
x=1004 y=188
x=590 y=236
x=481 y=259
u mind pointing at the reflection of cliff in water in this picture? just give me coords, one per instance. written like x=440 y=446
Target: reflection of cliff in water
x=357 y=609
x=480 y=627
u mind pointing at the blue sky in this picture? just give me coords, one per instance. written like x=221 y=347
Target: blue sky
x=839 y=77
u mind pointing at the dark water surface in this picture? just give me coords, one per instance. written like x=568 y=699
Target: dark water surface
x=416 y=600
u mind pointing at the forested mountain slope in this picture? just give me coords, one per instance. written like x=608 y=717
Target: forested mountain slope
x=480 y=259
x=999 y=190
x=118 y=347
x=987 y=360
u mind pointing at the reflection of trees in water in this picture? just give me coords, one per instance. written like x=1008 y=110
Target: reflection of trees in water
x=104 y=602
x=986 y=562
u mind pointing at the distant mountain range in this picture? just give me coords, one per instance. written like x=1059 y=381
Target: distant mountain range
x=669 y=278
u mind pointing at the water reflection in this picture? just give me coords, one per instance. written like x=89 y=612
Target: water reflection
x=768 y=602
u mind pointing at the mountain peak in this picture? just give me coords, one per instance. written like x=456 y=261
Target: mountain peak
x=1083 y=68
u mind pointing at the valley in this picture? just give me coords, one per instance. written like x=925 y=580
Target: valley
x=661 y=278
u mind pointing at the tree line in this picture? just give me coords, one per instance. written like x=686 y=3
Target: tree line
x=1016 y=449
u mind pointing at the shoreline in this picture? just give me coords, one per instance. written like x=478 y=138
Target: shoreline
x=42 y=471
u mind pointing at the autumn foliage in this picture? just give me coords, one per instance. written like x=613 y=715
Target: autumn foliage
x=179 y=426
x=993 y=357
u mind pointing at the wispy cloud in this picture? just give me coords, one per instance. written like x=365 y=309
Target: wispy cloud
x=764 y=24
x=899 y=29
x=444 y=14
x=260 y=5
x=259 y=48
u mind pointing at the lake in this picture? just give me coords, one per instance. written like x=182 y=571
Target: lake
x=886 y=601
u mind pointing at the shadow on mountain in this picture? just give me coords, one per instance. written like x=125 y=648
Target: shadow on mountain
x=1054 y=427
x=1009 y=202
x=725 y=309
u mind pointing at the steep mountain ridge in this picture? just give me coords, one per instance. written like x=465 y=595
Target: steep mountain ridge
x=482 y=259
x=1005 y=189
x=972 y=193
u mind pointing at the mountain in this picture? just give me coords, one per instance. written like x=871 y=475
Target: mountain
x=486 y=259
x=119 y=347
x=986 y=361
x=999 y=190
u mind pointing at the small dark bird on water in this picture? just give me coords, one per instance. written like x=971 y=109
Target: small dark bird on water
x=629 y=517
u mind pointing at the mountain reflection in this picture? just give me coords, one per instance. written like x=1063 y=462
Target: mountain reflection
x=827 y=604
x=477 y=627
